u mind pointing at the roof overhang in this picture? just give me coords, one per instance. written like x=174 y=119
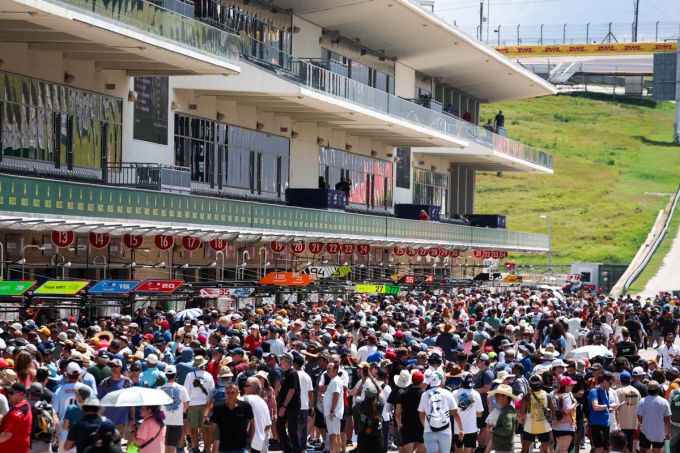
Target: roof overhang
x=422 y=41
x=286 y=98
x=111 y=45
x=207 y=233
x=478 y=157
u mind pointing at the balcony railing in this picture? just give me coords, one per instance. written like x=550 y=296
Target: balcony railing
x=314 y=74
x=150 y=18
x=150 y=176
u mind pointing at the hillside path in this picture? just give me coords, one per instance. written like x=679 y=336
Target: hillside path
x=668 y=277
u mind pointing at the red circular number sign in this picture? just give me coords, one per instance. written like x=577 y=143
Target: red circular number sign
x=298 y=248
x=333 y=248
x=316 y=247
x=277 y=247
x=433 y=252
x=164 y=242
x=63 y=238
x=412 y=252
x=444 y=253
x=363 y=249
x=454 y=253
x=422 y=251
x=190 y=244
x=478 y=253
x=218 y=244
x=399 y=251
x=348 y=249
x=133 y=241
x=99 y=240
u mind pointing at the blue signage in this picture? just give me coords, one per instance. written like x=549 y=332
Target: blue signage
x=113 y=287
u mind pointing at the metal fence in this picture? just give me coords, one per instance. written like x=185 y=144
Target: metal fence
x=589 y=33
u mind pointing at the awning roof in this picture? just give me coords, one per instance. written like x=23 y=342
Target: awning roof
x=241 y=235
x=426 y=43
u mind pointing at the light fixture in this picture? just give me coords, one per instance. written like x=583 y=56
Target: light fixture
x=259 y=126
x=161 y=264
x=283 y=129
x=220 y=117
x=374 y=153
x=244 y=264
x=184 y=266
x=133 y=264
x=346 y=263
x=174 y=106
x=348 y=147
x=295 y=29
x=319 y=141
x=324 y=261
x=22 y=261
x=68 y=264
x=213 y=264
x=193 y=106
x=363 y=51
x=267 y=264
x=433 y=168
x=294 y=134
x=69 y=78
x=110 y=86
x=421 y=162
x=132 y=96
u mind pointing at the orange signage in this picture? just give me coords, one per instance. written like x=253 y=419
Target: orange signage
x=572 y=49
x=288 y=279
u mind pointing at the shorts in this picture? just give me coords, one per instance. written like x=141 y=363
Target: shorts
x=646 y=443
x=195 y=416
x=319 y=420
x=173 y=434
x=557 y=433
x=469 y=441
x=542 y=437
x=333 y=425
x=599 y=437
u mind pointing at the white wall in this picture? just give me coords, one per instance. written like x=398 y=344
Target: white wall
x=306 y=41
x=404 y=81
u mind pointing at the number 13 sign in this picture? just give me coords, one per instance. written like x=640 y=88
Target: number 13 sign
x=63 y=239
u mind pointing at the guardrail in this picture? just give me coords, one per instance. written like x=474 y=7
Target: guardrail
x=150 y=18
x=314 y=74
x=150 y=176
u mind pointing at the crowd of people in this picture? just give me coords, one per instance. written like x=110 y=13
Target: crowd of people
x=475 y=371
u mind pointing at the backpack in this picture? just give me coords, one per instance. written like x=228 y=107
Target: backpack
x=42 y=427
x=438 y=412
x=674 y=400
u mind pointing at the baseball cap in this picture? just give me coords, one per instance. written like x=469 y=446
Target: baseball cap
x=73 y=368
x=558 y=362
x=417 y=377
x=152 y=359
x=566 y=380
x=433 y=379
x=17 y=387
x=653 y=385
x=625 y=376
x=484 y=357
x=171 y=370
x=116 y=363
x=36 y=388
x=136 y=367
x=238 y=351
x=638 y=371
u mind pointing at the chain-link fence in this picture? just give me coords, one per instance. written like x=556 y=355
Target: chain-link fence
x=546 y=34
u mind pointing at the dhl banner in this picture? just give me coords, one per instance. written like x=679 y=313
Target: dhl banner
x=573 y=49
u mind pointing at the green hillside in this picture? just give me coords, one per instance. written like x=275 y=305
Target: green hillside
x=609 y=158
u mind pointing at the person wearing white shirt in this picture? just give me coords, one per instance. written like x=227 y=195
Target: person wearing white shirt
x=174 y=412
x=263 y=421
x=306 y=399
x=667 y=352
x=438 y=437
x=200 y=386
x=369 y=348
x=333 y=407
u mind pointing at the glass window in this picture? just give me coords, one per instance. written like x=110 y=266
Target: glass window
x=431 y=188
x=47 y=122
x=370 y=178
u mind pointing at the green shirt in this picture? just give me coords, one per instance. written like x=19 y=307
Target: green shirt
x=99 y=372
x=506 y=427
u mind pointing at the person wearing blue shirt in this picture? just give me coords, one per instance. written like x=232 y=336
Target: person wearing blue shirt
x=118 y=415
x=598 y=400
x=66 y=395
x=152 y=376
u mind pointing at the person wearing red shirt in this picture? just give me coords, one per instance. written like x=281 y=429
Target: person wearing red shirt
x=254 y=340
x=15 y=429
x=215 y=364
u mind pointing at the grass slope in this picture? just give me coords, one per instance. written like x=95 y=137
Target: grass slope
x=607 y=156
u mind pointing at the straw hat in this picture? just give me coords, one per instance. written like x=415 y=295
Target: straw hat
x=501 y=376
x=455 y=372
x=104 y=334
x=549 y=350
x=263 y=374
x=503 y=389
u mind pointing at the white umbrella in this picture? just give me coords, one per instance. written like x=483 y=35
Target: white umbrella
x=136 y=396
x=191 y=313
x=587 y=352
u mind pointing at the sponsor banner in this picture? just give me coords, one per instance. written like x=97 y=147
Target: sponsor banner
x=571 y=49
x=114 y=287
x=61 y=287
x=15 y=287
x=328 y=271
x=159 y=286
x=287 y=279
x=378 y=289
x=216 y=293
